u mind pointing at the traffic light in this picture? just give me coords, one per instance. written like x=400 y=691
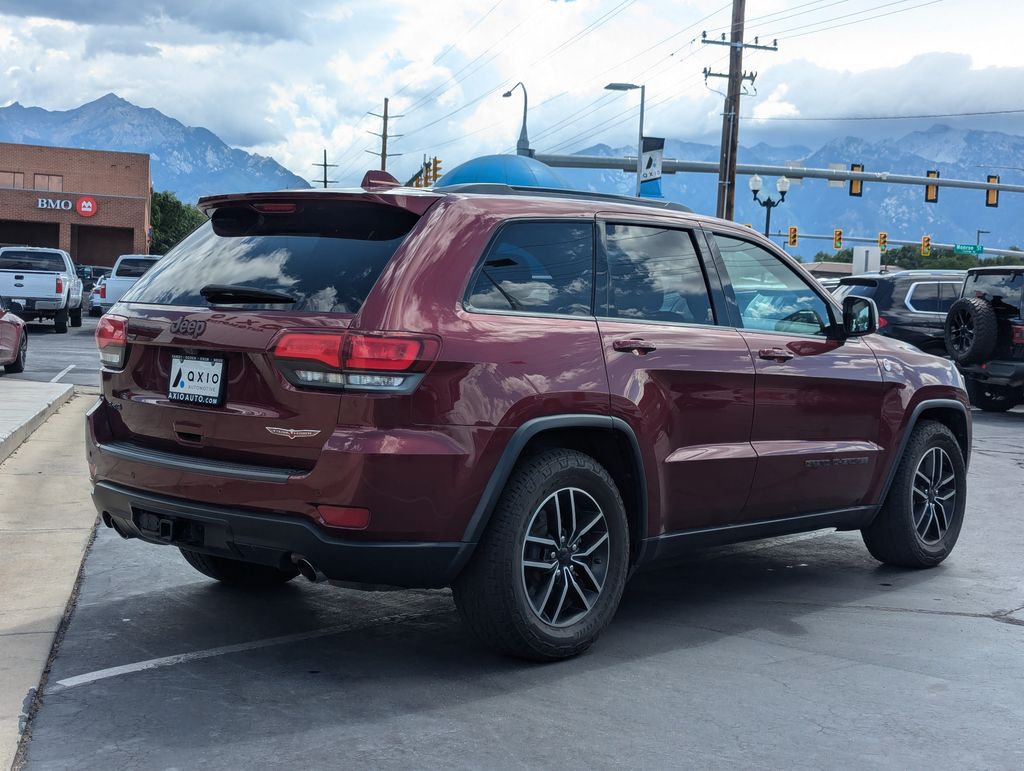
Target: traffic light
x=992 y=196
x=426 y=174
x=792 y=235
x=856 y=185
x=837 y=239
x=883 y=242
x=931 y=192
x=926 y=246
x=435 y=170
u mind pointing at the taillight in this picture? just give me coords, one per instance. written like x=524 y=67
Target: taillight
x=112 y=340
x=882 y=323
x=102 y=291
x=60 y=285
x=361 y=362
x=1018 y=334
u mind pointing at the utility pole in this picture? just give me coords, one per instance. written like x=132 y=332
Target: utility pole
x=384 y=137
x=731 y=113
x=325 y=165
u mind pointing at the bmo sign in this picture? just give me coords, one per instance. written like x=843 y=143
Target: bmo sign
x=85 y=206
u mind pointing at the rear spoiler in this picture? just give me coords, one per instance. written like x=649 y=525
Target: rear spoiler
x=415 y=200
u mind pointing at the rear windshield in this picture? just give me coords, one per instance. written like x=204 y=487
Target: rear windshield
x=327 y=255
x=865 y=289
x=134 y=268
x=1000 y=289
x=48 y=261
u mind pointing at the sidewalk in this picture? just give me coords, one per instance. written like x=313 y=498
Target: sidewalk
x=24 y=406
x=46 y=522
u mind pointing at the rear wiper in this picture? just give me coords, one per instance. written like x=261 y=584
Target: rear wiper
x=227 y=294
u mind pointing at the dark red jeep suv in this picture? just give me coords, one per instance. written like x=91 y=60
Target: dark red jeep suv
x=522 y=394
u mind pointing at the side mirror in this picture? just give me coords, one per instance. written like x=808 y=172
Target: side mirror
x=860 y=316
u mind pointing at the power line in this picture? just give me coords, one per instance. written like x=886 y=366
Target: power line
x=786 y=32
x=890 y=117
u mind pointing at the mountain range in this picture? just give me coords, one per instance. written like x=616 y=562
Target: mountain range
x=815 y=208
x=191 y=162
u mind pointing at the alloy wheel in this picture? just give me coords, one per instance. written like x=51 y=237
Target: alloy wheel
x=961 y=331
x=933 y=496
x=565 y=556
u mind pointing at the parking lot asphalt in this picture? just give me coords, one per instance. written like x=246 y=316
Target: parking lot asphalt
x=799 y=652
x=69 y=358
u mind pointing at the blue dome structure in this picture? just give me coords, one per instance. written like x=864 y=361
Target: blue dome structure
x=519 y=170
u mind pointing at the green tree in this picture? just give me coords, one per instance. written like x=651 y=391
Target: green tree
x=172 y=220
x=843 y=255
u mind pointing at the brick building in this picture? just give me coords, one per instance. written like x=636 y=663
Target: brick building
x=92 y=203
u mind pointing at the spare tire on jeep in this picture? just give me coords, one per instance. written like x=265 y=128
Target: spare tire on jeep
x=971 y=330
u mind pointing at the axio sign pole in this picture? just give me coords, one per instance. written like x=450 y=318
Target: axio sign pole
x=652 y=150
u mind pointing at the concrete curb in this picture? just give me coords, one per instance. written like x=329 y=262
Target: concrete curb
x=24 y=406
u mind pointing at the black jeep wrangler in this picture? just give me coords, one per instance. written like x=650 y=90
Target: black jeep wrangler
x=985 y=336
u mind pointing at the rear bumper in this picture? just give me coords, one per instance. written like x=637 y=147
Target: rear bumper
x=1001 y=372
x=274 y=540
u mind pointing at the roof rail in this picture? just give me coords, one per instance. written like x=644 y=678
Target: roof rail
x=496 y=188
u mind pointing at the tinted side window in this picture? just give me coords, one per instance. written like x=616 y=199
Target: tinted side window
x=537 y=267
x=948 y=294
x=924 y=298
x=769 y=294
x=655 y=274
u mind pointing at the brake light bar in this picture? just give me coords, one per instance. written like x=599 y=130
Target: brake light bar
x=112 y=340
x=392 y=362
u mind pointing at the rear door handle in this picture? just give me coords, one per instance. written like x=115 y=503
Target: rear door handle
x=775 y=354
x=634 y=345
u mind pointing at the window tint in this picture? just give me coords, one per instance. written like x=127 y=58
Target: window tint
x=25 y=260
x=135 y=268
x=51 y=182
x=12 y=179
x=857 y=289
x=948 y=294
x=924 y=297
x=655 y=274
x=769 y=294
x=327 y=255
x=1001 y=289
x=537 y=267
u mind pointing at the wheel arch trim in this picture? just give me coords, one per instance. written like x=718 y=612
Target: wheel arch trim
x=915 y=416
x=514 y=450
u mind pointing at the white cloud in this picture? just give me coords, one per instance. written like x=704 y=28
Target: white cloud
x=289 y=82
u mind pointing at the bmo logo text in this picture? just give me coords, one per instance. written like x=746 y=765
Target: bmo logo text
x=85 y=206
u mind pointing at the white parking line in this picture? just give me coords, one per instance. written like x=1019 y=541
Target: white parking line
x=62 y=373
x=182 y=658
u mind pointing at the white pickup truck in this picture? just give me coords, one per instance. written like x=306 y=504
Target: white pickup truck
x=41 y=283
x=128 y=269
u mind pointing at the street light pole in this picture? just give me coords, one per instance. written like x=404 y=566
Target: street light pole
x=978 y=235
x=782 y=185
x=523 y=144
x=640 y=138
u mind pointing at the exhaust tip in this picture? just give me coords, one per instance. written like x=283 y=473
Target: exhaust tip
x=306 y=569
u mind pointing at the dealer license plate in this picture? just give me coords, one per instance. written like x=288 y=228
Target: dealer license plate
x=197 y=380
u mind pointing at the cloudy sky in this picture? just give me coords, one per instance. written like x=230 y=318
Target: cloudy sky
x=287 y=78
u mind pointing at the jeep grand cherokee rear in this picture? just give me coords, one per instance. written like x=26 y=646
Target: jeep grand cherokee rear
x=521 y=394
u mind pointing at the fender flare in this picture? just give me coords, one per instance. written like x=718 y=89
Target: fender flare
x=514 y=449
x=928 y=404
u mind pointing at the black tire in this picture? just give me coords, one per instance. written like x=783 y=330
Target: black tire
x=95 y=312
x=75 y=317
x=491 y=593
x=992 y=398
x=971 y=330
x=899 y=535
x=18 y=365
x=60 y=322
x=245 y=575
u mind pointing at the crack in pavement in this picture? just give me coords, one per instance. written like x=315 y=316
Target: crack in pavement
x=1002 y=616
